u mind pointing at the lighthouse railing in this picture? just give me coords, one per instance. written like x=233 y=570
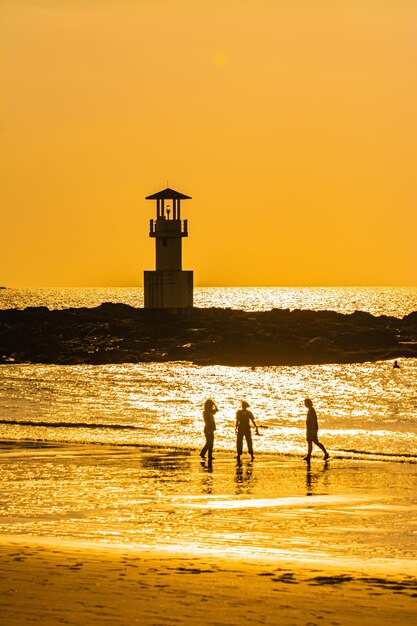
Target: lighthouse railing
x=168 y=228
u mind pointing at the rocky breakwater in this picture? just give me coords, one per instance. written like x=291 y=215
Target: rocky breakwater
x=117 y=333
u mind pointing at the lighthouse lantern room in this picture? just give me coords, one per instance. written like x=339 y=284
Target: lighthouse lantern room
x=169 y=286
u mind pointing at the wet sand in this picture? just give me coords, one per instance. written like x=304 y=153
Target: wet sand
x=56 y=584
x=276 y=507
x=104 y=535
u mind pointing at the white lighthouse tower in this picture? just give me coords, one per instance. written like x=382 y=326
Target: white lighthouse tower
x=169 y=286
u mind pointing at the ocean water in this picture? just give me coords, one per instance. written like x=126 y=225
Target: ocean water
x=109 y=453
x=396 y=301
x=365 y=410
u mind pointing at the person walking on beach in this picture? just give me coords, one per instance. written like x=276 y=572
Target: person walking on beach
x=243 y=429
x=210 y=409
x=312 y=431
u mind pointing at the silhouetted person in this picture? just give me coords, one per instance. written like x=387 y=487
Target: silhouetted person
x=210 y=409
x=312 y=431
x=243 y=429
x=396 y=366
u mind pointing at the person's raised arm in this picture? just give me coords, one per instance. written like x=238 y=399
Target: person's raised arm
x=254 y=423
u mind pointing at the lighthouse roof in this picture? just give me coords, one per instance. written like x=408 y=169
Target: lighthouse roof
x=168 y=194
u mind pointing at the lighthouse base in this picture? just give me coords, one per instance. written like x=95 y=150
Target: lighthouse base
x=168 y=289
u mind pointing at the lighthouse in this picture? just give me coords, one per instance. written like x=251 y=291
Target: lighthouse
x=169 y=286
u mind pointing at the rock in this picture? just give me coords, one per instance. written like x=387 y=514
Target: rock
x=118 y=333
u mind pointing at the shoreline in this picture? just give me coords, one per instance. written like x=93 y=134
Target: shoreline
x=60 y=584
x=118 y=333
x=15 y=446
x=383 y=568
x=270 y=542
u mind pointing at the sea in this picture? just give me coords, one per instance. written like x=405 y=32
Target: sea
x=109 y=453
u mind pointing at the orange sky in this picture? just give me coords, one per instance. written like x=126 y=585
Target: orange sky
x=291 y=123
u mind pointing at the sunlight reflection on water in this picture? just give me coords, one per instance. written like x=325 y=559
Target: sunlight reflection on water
x=164 y=499
x=396 y=301
x=366 y=407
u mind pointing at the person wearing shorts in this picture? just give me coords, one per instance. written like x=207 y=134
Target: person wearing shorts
x=313 y=431
x=243 y=430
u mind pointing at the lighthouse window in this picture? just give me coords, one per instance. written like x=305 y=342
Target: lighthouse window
x=164 y=242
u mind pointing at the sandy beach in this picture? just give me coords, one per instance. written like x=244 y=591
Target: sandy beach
x=57 y=584
x=97 y=535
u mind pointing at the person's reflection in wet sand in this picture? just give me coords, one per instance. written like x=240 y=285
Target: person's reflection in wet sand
x=208 y=467
x=243 y=478
x=207 y=482
x=313 y=478
x=166 y=461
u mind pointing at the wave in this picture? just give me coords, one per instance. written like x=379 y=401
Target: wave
x=389 y=455
x=70 y=425
x=173 y=450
